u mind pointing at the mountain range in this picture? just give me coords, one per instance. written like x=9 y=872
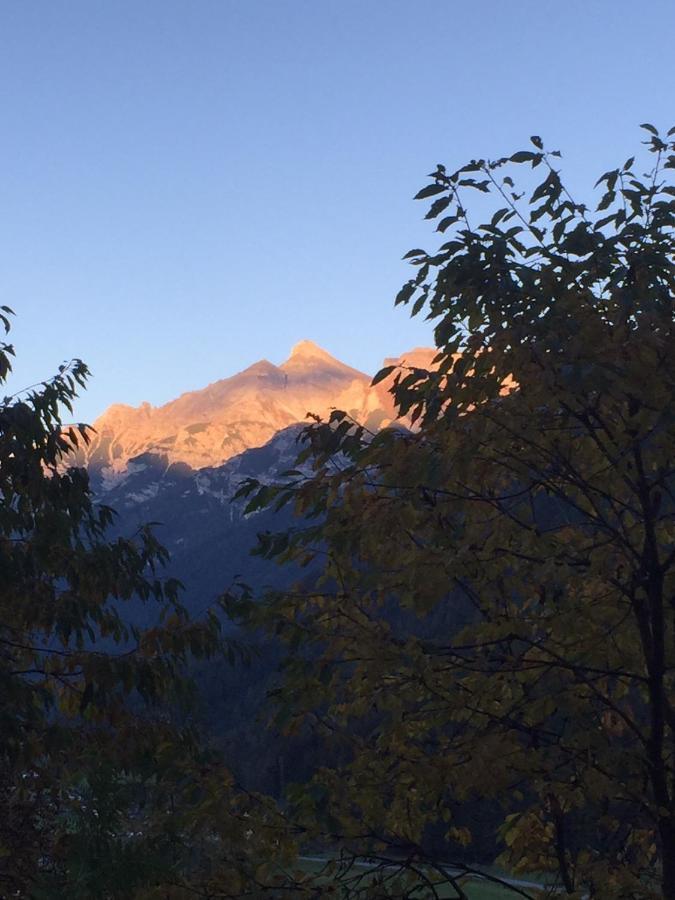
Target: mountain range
x=178 y=465
x=208 y=427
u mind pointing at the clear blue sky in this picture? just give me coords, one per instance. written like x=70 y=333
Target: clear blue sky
x=186 y=187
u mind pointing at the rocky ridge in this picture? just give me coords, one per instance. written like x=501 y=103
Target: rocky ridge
x=208 y=427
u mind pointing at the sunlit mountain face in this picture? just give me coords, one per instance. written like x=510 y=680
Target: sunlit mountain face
x=179 y=465
x=208 y=427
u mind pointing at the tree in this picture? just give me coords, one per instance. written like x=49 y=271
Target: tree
x=496 y=617
x=106 y=789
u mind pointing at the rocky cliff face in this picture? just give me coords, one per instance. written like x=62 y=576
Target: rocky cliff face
x=206 y=428
x=179 y=465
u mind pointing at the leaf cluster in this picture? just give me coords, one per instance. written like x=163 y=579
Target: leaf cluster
x=106 y=789
x=494 y=619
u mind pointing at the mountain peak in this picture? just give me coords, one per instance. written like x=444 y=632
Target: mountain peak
x=206 y=427
x=310 y=350
x=308 y=360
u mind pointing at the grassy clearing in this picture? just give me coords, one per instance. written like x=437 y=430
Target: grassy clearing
x=474 y=887
x=478 y=890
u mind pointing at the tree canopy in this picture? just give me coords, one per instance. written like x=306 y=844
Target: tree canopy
x=495 y=620
x=107 y=789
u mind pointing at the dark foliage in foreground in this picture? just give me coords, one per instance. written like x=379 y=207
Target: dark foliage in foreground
x=536 y=486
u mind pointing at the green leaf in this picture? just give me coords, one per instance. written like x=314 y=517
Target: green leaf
x=446 y=222
x=382 y=374
x=418 y=304
x=523 y=156
x=437 y=207
x=429 y=191
x=607 y=200
x=405 y=293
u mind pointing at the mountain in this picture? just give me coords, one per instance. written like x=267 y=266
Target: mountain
x=208 y=427
x=178 y=467
x=208 y=536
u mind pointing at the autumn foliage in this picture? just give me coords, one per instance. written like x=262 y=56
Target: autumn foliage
x=495 y=618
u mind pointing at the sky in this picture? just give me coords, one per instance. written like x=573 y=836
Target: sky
x=188 y=187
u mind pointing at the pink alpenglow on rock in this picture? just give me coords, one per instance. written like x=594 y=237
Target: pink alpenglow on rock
x=209 y=426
